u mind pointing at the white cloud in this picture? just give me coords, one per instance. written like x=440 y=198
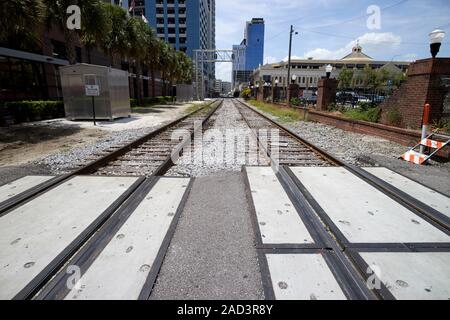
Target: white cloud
x=407 y=57
x=372 y=43
x=270 y=59
x=223 y=71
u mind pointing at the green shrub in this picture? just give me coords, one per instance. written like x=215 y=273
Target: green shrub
x=23 y=111
x=246 y=93
x=134 y=103
x=337 y=107
x=394 y=117
x=150 y=101
x=443 y=125
x=366 y=105
x=295 y=101
x=284 y=114
x=370 y=115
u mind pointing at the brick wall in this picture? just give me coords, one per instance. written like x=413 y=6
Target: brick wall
x=423 y=85
x=402 y=136
x=326 y=93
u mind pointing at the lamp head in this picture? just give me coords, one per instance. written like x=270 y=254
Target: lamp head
x=436 y=37
x=328 y=70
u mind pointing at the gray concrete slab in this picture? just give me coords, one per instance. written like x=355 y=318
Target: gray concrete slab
x=302 y=277
x=32 y=235
x=212 y=254
x=413 y=275
x=121 y=269
x=426 y=195
x=18 y=186
x=278 y=220
x=361 y=212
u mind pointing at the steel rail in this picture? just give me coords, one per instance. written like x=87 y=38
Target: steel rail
x=8 y=205
x=343 y=263
x=102 y=162
x=350 y=280
x=423 y=210
x=109 y=217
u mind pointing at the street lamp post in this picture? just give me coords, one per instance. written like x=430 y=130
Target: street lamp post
x=436 y=37
x=328 y=70
x=275 y=92
x=292 y=31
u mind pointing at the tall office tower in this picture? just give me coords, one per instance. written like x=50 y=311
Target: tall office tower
x=250 y=53
x=187 y=25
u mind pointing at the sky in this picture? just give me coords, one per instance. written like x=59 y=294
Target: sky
x=328 y=29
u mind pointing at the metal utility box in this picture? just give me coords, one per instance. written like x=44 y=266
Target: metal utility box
x=185 y=92
x=114 y=96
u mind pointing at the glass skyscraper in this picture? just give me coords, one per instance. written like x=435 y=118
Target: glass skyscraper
x=250 y=53
x=187 y=25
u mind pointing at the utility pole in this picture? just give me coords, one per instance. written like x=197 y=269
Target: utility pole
x=289 y=67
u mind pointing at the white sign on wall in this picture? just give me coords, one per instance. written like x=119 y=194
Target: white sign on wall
x=92 y=90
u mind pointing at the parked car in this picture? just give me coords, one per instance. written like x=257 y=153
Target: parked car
x=378 y=98
x=346 y=97
x=363 y=99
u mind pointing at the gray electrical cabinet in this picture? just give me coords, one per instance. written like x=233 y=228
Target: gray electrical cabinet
x=113 y=100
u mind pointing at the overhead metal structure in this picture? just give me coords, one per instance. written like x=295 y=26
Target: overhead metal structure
x=203 y=57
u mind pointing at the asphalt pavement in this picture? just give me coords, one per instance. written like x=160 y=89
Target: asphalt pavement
x=212 y=254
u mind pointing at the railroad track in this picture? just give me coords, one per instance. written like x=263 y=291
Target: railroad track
x=149 y=155
x=296 y=151
x=152 y=154
x=284 y=148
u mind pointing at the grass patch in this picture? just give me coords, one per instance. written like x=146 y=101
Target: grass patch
x=369 y=115
x=443 y=126
x=197 y=106
x=284 y=114
x=149 y=102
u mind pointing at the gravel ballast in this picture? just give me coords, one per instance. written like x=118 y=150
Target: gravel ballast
x=224 y=147
x=368 y=151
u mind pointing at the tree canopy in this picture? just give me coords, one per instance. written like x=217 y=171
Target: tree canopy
x=105 y=26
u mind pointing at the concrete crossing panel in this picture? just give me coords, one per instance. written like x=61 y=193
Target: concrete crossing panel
x=121 y=269
x=18 y=186
x=426 y=195
x=32 y=235
x=413 y=275
x=362 y=213
x=277 y=218
x=302 y=277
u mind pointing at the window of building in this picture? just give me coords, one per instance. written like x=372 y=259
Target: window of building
x=59 y=49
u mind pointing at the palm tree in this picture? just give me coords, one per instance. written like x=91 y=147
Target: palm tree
x=94 y=26
x=56 y=15
x=164 y=63
x=115 y=40
x=140 y=37
x=152 y=59
x=20 y=23
x=186 y=68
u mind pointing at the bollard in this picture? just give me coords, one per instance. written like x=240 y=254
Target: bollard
x=425 y=125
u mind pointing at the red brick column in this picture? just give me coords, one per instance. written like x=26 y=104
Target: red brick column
x=326 y=94
x=295 y=90
x=424 y=84
x=260 y=94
